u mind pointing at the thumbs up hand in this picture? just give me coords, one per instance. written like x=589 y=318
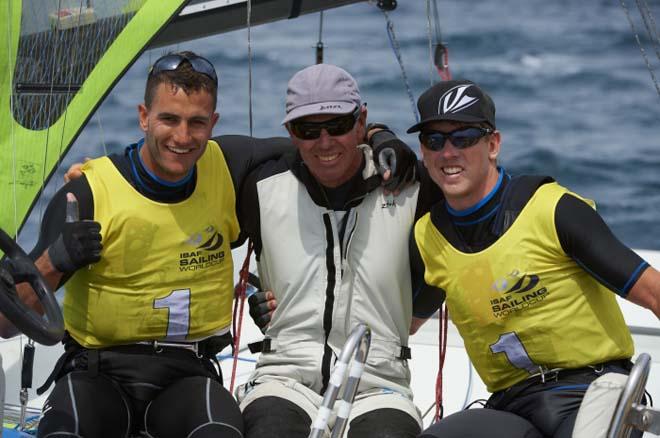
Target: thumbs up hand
x=79 y=243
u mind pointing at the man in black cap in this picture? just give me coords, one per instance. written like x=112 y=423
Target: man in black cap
x=527 y=268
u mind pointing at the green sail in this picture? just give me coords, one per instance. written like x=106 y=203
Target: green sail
x=58 y=60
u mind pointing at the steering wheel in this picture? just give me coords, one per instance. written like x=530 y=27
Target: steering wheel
x=47 y=329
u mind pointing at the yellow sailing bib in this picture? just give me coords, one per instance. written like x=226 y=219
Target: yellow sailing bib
x=166 y=270
x=522 y=302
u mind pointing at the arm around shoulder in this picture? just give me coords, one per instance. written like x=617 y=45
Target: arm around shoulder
x=646 y=291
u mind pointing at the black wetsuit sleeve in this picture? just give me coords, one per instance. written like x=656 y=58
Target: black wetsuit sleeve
x=244 y=154
x=586 y=238
x=55 y=215
x=427 y=299
x=248 y=211
x=429 y=192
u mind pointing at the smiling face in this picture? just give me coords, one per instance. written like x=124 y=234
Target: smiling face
x=465 y=176
x=176 y=128
x=333 y=160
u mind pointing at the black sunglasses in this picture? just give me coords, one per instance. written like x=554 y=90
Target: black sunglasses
x=336 y=126
x=461 y=138
x=173 y=61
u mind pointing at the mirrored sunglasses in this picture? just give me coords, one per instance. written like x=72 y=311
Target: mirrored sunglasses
x=460 y=138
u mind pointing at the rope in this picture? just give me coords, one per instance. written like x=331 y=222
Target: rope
x=649 y=24
x=319 y=44
x=639 y=43
x=394 y=43
x=430 y=40
x=98 y=120
x=438 y=51
x=468 y=392
x=239 y=304
x=249 y=47
x=50 y=104
x=8 y=39
x=239 y=292
x=442 y=351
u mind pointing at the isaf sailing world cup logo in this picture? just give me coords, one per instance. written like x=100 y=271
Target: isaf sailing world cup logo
x=519 y=291
x=206 y=253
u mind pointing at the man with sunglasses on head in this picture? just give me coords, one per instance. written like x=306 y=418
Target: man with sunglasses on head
x=529 y=271
x=142 y=241
x=332 y=247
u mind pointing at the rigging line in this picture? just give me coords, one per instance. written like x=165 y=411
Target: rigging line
x=468 y=392
x=649 y=24
x=70 y=80
x=428 y=410
x=49 y=104
x=436 y=21
x=98 y=121
x=394 y=43
x=249 y=47
x=439 y=52
x=320 y=28
x=641 y=48
x=430 y=39
x=319 y=44
x=11 y=108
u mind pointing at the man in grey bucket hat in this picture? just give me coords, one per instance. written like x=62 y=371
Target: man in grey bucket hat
x=332 y=247
x=321 y=89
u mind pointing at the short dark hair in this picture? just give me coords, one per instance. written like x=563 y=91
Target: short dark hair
x=184 y=77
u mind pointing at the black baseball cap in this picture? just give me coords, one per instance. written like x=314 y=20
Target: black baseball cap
x=457 y=100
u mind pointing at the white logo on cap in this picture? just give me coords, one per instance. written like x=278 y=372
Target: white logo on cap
x=456 y=100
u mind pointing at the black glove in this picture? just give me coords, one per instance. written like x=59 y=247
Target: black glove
x=260 y=310
x=78 y=245
x=390 y=153
x=17 y=269
x=7 y=284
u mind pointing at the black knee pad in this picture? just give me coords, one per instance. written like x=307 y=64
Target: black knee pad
x=275 y=417
x=479 y=423
x=194 y=406
x=383 y=423
x=81 y=405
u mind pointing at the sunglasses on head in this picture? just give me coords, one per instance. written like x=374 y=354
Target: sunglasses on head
x=173 y=61
x=334 y=127
x=460 y=138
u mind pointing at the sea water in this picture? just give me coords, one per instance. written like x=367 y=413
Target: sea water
x=574 y=97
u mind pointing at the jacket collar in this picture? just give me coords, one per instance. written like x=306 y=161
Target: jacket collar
x=361 y=184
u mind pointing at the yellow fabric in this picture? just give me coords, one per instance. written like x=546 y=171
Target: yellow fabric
x=524 y=292
x=166 y=269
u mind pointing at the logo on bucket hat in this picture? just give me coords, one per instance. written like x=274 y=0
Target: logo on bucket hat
x=458 y=100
